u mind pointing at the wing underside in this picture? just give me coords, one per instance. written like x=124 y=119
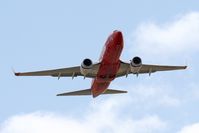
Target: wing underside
x=146 y=68
x=64 y=72
x=123 y=70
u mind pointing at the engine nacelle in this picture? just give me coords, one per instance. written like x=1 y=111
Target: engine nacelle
x=86 y=66
x=136 y=64
x=136 y=61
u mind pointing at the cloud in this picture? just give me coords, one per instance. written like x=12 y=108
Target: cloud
x=101 y=116
x=179 y=36
x=153 y=95
x=194 y=128
x=104 y=117
x=41 y=122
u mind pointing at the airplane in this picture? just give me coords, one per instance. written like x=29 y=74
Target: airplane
x=106 y=70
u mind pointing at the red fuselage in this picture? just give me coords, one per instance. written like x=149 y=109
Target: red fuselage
x=110 y=63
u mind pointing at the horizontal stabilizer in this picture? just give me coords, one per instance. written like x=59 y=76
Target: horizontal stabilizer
x=76 y=93
x=88 y=92
x=109 y=91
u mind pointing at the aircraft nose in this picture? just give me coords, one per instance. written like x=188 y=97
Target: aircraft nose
x=117 y=32
x=118 y=35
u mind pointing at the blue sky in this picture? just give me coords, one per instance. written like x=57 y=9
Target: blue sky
x=41 y=34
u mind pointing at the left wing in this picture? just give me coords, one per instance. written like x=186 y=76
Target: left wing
x=146 y=68
x=64 y=72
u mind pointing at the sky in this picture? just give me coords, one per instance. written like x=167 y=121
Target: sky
x=47 y=34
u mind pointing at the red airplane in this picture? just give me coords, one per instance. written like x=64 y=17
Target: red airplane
x=109 y=67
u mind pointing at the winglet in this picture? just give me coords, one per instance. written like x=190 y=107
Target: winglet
x=184 y=67
x=16 y=74
x=186 y=63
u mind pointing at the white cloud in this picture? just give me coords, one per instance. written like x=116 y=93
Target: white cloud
x=41 y=122
x=101 y=118
x=194 y=128
x=154 y=95
x=176 y=37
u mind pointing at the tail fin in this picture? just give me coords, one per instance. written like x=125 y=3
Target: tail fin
x=88 y=92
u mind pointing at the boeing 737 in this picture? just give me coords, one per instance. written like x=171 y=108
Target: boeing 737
x=106 y=70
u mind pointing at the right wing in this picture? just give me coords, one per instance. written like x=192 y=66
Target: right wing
x=145 y=68
x=64 y=72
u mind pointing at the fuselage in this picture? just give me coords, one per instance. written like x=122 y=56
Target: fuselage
x=110 y=63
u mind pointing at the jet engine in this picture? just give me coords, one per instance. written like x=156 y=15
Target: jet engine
x=86 y=66
x=136 y=64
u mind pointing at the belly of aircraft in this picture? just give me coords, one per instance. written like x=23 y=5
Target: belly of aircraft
x=106 y=73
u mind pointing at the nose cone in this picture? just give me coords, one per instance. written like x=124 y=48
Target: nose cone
x=118 y=36
x=117 y=32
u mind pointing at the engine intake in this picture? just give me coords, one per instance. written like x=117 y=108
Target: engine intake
x=135 y=65
x=136 y=62
x=86 y=66
x=87 y=63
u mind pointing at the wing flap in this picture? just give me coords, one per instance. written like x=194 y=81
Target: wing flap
x=88 y=92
